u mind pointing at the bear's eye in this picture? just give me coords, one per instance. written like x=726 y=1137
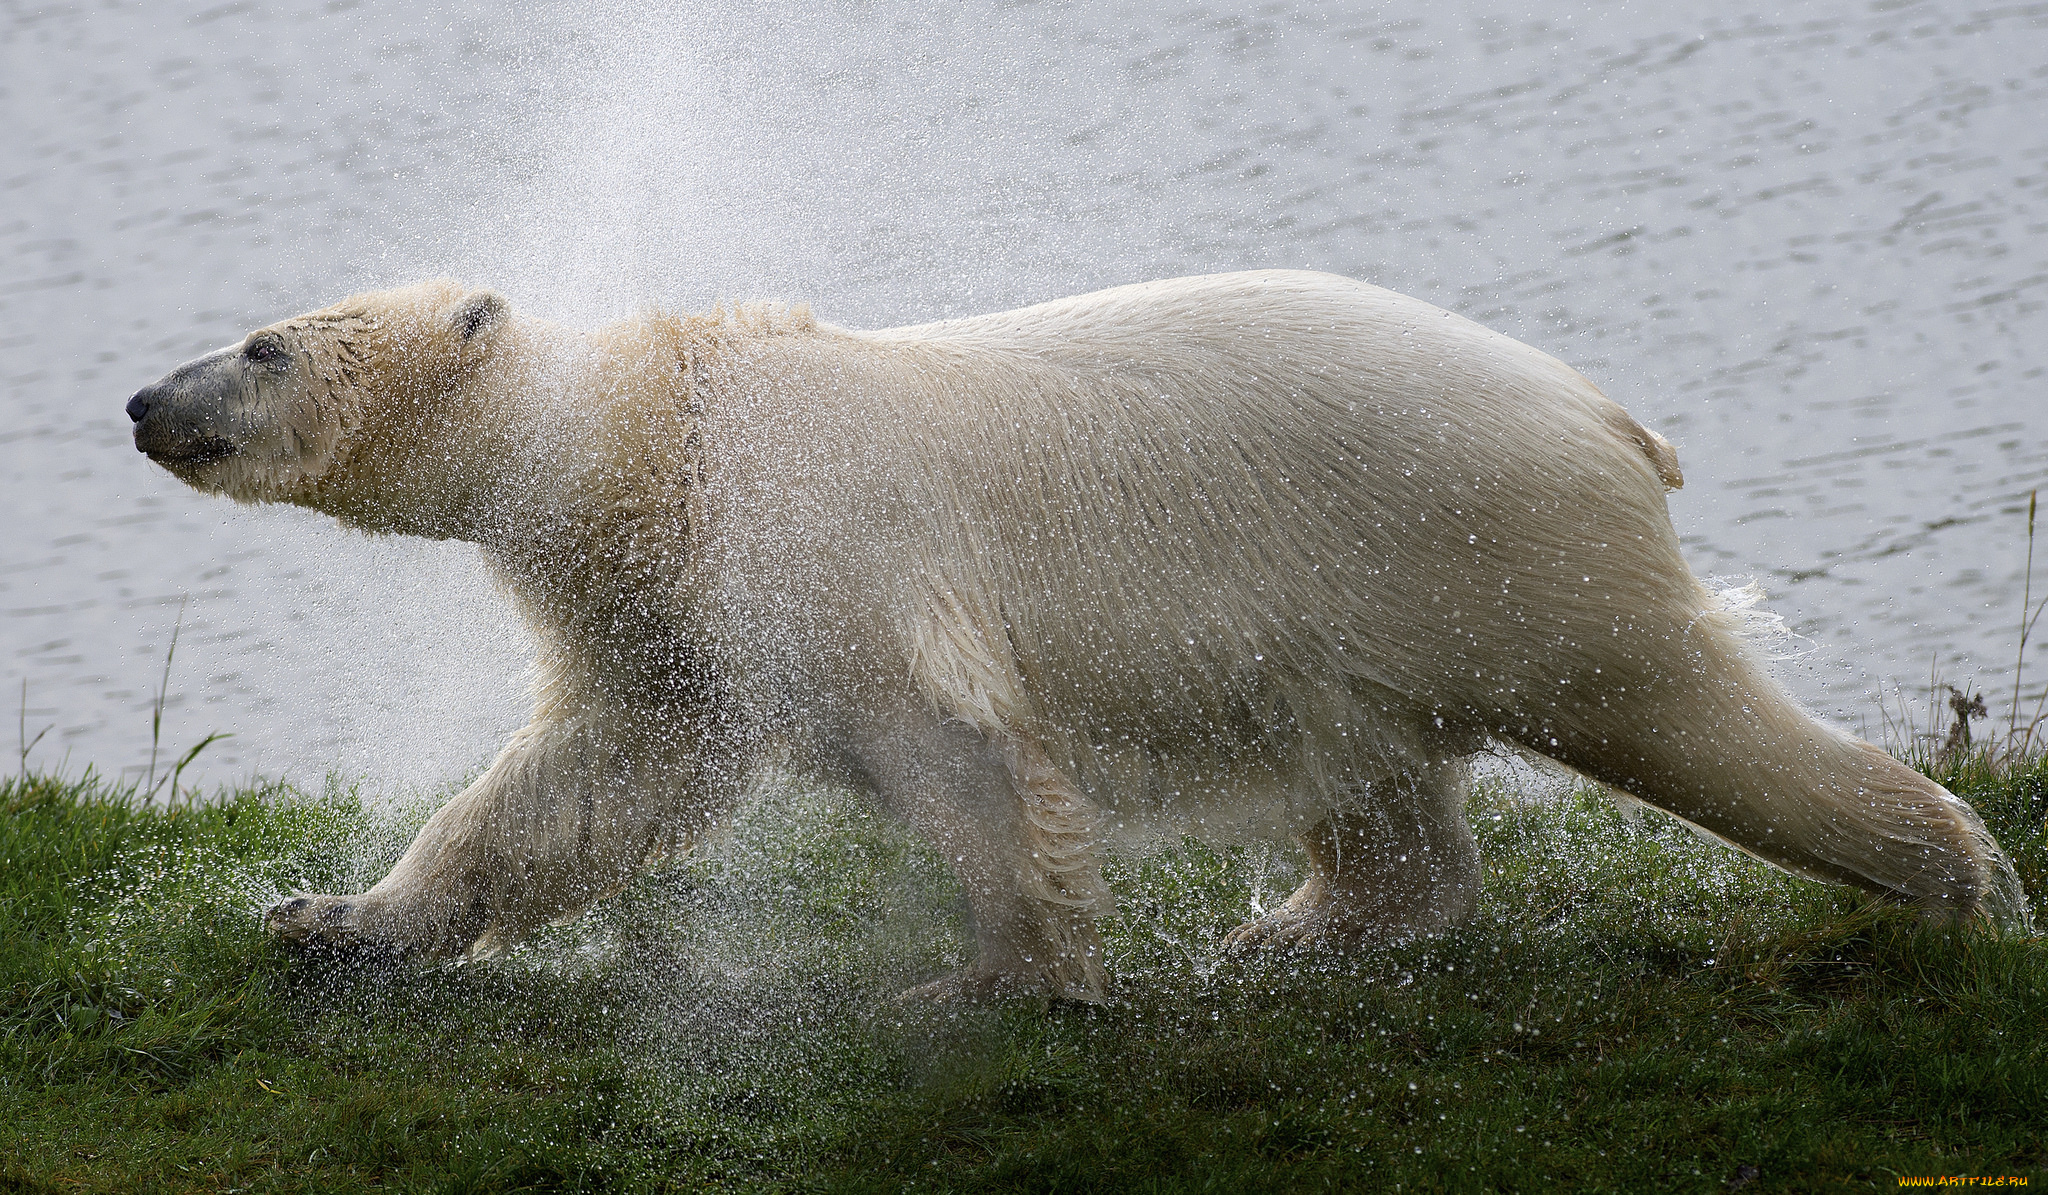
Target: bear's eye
x=265 y=350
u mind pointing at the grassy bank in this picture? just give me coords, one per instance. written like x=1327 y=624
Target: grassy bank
x=1633 y=1009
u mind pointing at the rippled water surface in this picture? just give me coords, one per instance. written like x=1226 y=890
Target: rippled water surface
x=1809 y=244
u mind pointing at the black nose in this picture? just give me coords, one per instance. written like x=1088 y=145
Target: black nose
x=139 y=405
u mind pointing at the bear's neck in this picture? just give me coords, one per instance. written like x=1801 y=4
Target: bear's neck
x=591 y=525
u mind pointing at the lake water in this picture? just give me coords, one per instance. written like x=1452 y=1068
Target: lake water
x=1809 y=244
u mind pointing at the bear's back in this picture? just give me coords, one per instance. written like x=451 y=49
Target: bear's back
x=1208 y=485
x=1286 y=324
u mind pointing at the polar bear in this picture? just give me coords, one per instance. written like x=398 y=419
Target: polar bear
x=1272 y=548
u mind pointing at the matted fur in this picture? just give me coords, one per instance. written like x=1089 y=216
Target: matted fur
x=1272 y=549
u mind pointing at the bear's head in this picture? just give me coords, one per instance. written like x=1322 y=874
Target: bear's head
x=350 y=410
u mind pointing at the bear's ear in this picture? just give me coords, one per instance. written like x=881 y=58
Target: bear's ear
x=478 y=313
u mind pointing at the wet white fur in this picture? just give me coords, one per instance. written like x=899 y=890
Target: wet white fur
x=1272 y=548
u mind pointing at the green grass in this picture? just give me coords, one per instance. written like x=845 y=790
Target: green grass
x=1633 y=1009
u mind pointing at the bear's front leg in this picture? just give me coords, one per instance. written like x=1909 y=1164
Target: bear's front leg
x=570 y=810
x=1020 y=838
x=1398 y=863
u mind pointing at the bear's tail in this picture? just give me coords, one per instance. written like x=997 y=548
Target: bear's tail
x=1720 y=744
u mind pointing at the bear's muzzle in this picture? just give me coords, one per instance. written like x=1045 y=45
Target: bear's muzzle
x=171 y=417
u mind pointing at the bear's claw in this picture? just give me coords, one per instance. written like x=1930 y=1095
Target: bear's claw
x=379 y=925
x=1321 y=928
x=323 y=921
x=1286 y=930
x=976 y=986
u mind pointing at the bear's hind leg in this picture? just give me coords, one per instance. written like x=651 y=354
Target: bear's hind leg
x=1398 y=865
x=1714 y=739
